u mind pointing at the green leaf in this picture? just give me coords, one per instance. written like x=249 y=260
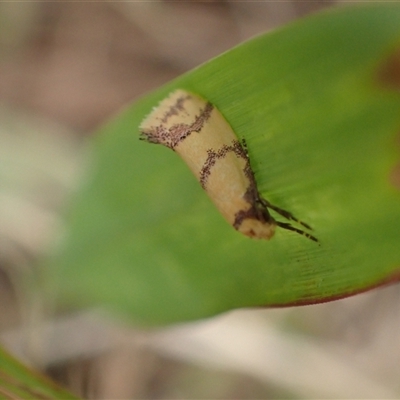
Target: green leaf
x=318 y=103
x=19 y=382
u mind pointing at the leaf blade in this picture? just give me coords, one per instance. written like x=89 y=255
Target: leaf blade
x=145 y=240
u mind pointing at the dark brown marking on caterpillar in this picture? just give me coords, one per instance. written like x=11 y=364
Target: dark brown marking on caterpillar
x=175 y=109
x=171 y=137
x=256 y=211
x=214 y=156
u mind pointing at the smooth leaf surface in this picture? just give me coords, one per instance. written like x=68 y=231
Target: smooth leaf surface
x=18 y=382
x=318 y=105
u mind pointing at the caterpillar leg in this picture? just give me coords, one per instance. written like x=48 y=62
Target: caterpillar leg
x=288 y=215
x=289 y=227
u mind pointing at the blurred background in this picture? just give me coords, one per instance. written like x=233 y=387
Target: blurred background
x=67 y=67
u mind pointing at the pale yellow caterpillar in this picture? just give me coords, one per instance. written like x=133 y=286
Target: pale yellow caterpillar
x=199 y=133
